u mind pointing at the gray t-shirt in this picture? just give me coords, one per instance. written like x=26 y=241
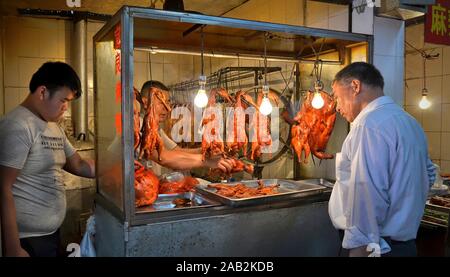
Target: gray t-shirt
x=39 y=149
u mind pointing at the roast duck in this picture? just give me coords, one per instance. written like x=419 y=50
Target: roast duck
x=312 y=127
x=184 y=185
x=237 y=140
x=151 y=140
x=146 y=185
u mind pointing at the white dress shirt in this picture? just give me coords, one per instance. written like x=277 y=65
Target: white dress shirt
x=383 y=175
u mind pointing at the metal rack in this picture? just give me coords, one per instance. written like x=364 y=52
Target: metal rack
x=226 y=76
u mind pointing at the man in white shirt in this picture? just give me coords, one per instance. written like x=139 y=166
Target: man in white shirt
x=383 y=172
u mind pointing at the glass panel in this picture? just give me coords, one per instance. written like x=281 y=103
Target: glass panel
x=109 y=118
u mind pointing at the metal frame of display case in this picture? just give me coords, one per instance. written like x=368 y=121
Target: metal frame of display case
x=127 y=17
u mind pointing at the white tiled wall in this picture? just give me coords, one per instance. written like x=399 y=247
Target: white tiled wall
x=435 y=120
x=28 y=43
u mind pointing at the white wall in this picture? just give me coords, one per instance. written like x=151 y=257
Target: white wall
x=389 y=36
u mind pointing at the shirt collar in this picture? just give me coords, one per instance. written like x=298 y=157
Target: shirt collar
x=375 y=104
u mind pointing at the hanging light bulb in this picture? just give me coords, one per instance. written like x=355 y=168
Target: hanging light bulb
x=424 y=102
x=201 y=99
x=266 y=107
x=317 y=101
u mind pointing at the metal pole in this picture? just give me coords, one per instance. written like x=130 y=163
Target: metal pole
x=79 y=58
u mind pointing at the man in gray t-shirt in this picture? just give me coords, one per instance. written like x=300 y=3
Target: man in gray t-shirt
x=33 y=152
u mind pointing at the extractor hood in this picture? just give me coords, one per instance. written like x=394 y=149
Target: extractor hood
x=403 y=9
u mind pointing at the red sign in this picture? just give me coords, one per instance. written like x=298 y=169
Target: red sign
x=437 y=23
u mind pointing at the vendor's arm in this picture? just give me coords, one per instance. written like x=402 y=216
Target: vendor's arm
x=180 y=160
x=79 y=166
x=189 y=150
x=10 y=233
x=368 y=196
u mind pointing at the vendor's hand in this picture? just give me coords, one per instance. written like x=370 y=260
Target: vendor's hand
x=226 y=165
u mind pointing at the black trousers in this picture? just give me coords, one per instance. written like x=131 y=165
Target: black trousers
x=43 y=246
x=398 y=248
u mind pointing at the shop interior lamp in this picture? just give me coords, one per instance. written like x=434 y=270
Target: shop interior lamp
x=201 y=99
x=424 y=102
x=266 y=106
x=317 y=101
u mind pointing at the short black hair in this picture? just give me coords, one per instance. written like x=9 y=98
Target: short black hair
x=54 y=75
x=152 y=84
x=364 y=72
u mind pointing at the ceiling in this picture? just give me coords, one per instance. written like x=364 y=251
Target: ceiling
x=208 y=7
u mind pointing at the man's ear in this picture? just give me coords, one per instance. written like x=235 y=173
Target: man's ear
x=356 y=86
x=41 y=91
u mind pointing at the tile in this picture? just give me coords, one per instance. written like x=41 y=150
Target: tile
x=170 y=58
x=338 y=23
x=413 y=65
x=157 y=72
x=27 y=67
x=11 y=71
x=434 y=66
x=186 y=72
x=414 y=35
x=12 y=98
x=446 y=89
x=434 y=86
x=157 y=58
x=294 y=13
x=316 y=12
x=335 y=10
x=140 y=74
x=65 y=44
x=445 y=117
x=28 y=38
x=432 y=118
x=415 y=112
x=41 y=23
x=445 y=146
x=277 y=11
x=23 y=93
x=446 y=60
x=170 y=74
x=445 y=166
x=94 y=26
x=140 y=56
x=413 y=91
x=434 y=144
x=48 y=43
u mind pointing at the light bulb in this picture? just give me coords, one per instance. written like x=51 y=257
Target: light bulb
x=424 y=102
x=266 y=107
x=317 y=101
x=201 y=99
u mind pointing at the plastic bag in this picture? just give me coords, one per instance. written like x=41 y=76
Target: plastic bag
x=87 y=248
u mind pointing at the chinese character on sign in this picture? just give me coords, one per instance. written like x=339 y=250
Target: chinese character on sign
x=437 y=23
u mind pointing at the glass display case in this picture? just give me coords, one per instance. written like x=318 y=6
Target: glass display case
x=161 y=31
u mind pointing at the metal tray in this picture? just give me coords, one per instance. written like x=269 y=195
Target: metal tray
x=320 y=181
x=164 y=202
x=437 y=207
x=287 y=189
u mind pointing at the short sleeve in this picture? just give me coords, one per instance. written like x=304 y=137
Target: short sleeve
x=15 y=144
